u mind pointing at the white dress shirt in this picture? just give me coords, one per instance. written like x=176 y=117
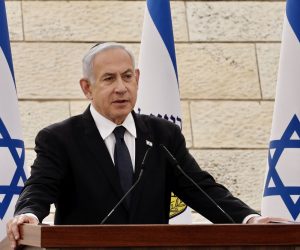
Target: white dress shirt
x=106 y=128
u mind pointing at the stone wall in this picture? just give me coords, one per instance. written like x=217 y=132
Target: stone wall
x=227 y=53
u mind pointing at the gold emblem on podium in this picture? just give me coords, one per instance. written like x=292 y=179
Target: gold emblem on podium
x=176 y=207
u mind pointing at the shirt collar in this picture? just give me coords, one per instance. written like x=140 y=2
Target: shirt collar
x=106 y=126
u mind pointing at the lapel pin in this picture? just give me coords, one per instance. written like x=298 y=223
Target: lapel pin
x=149 y=143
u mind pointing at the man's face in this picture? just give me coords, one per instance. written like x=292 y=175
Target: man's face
x=114 y=92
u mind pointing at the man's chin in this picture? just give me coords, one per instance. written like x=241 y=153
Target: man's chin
x=119 y=117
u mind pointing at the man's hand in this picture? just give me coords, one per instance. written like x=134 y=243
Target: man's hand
x=265 y=220
x=12 y=227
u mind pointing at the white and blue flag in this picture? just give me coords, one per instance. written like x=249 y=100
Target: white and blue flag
x=158 y=86
x=281 y=197
x=12 y=152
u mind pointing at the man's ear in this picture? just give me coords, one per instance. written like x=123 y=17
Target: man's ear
x=86 y=88
x=137 y=75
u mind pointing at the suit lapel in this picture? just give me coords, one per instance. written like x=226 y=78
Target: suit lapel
x=96 y=145
x=141 y=146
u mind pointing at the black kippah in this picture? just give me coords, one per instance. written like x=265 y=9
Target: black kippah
x=96 y=45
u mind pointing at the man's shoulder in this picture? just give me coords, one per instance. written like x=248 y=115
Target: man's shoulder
x=66 y=122
x=65 y=125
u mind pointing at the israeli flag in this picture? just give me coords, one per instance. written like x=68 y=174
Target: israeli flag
x=158 y=87
x=282 y=184
x=12 y=152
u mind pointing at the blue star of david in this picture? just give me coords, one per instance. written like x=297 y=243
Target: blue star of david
x=13 y=189
x=280 y=189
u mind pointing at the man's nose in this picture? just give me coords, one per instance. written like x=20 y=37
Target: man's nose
x=120 y=85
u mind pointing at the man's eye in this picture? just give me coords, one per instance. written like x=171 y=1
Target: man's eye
x=129 y=76
x=109 y=78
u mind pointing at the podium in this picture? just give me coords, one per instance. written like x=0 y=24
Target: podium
x=263 y=236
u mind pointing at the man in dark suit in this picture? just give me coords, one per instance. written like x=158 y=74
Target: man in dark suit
x=76 y=163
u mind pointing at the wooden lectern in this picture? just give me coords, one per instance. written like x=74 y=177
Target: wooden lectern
x=269 y=236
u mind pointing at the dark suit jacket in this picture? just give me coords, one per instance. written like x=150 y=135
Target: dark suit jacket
x=74 y=170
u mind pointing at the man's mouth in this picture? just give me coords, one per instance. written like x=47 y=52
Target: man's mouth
x=120 y=101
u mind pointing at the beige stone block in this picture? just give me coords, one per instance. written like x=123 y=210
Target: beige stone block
x=231 y=124
x=14 y=20
x=78 y=107
x=179 y=21
x=37 y=115
x=48 y=70
x=268 y=61
x=92 y=20
x=186 y=123
x=218 y=71
x=30 y=155
x=241 y=171
x=235 y=20
x=51 y=70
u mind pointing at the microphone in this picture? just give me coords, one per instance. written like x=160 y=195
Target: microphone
x=174 y=162
x=129 y=191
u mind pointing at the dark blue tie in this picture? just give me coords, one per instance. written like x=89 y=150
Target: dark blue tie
x=123 y=160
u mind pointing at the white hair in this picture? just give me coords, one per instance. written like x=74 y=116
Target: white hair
x=88 y=59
